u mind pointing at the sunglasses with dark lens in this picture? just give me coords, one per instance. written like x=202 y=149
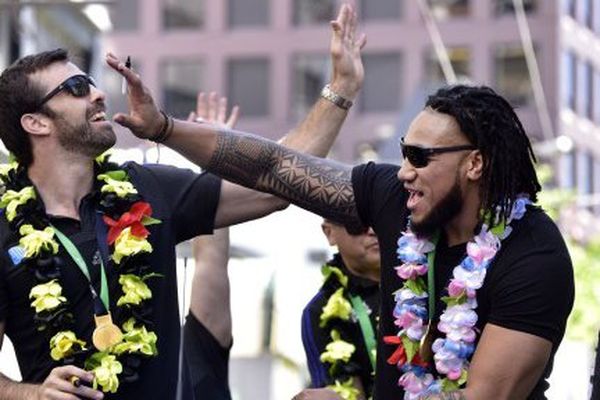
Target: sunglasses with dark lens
x=419 y=157
x=76 y=86
x=356 y=230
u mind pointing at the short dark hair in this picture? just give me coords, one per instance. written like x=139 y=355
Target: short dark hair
x=19 y=95
x=490 y=123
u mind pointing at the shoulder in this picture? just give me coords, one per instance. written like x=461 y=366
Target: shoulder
x=372 y=170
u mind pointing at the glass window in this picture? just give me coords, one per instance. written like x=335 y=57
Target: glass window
x=248 y=85
x=310 y=72
x=570 y=7
x=381 y=89
x=511 y=74
x=181 y=81
x=443 y=9
x=308 y=12
x=248 y=13
x=379 y=9
x=460 y=58
x=587 y=13
x=182 y=14
x=569 y=79
x=584 y=90
x=124 y=15
x=596 y=97
x=502 y=7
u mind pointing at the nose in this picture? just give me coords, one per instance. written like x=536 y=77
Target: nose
x=407 y=172
x=97 y=95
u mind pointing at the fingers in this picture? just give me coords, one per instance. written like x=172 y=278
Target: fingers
x=222 y=112
x=212 y=107
x=64 y=383
x=133 y=79
x=233 y=118
x=125 y=120
x=201 y=106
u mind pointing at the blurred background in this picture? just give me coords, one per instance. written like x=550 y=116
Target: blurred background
x=271 y=58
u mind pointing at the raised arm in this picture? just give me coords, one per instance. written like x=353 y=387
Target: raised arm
x=314 y=135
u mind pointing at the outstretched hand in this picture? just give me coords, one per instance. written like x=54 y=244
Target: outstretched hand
x=144 y=118
x=213 y=110
x=345 y=48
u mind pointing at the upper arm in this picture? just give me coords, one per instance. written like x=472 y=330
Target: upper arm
x=238 y=204
x=507 y=364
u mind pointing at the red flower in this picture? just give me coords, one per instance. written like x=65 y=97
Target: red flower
x=132 y=218
x=399 y=355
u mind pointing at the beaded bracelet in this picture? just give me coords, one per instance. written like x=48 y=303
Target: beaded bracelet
x=166 y=129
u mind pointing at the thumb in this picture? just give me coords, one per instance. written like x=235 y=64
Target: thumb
x=124 y=120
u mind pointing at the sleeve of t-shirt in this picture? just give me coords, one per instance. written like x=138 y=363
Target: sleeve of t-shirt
x=313 y=341
x=535 y=294
x=375 y=185
x=190 y=199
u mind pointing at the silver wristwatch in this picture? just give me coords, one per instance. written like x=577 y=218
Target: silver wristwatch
x=335 y=98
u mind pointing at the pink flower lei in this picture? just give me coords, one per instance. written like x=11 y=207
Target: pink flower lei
x=457 y=321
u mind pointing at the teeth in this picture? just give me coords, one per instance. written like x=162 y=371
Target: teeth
x=101 y=116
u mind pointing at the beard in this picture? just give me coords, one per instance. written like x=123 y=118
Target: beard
x=442 y=213
x=82 y=138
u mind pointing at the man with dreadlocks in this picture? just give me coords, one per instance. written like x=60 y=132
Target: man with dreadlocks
x=477 y=287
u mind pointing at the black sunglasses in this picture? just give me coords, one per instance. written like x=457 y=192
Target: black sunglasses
x=419 y=157
x=77 y=86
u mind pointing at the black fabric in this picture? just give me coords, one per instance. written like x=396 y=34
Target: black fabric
x=186 y=204
x=529 y=286
x=316 y=338
x=206 y=360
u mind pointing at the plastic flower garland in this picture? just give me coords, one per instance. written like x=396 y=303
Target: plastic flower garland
x=338 y=353
x=457 y=321
x=127 y=217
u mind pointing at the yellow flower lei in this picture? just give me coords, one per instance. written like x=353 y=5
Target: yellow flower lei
x=47 y=296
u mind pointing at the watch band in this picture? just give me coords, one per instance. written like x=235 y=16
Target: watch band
x=335 y=98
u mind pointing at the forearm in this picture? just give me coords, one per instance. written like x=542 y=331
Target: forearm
x=318 y=185
x=11 y=390
x=317 y=132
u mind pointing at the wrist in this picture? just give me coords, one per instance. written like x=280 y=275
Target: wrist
x=348 y=89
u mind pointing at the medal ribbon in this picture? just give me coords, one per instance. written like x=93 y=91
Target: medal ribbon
x=100 y=307
x=365 y=326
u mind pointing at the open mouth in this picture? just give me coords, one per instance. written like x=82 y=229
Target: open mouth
x=414 y=196
x=99 y=117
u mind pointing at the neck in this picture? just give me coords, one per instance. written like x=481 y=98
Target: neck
x=461 y=229
x=62 y=183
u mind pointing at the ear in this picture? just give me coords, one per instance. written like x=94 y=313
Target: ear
x=328 y=231
x=475 y=165
x=36 y=124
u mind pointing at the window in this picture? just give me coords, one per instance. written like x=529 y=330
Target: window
x=248 y=85
x=596 y=98
x=310 y=72
x=443 y=9
x=511 y=74
x=381 y=89
x=570 y=7
x=587 y=13
x=460 y=58
x=308 y=12
x=181 y=81
x=124 y=15
x=248 y=13
x=502 y=7
x=379 y=9
x=584 y=90
x=182 y=14
x=569 y=79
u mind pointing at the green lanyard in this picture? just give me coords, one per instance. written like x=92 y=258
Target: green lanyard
x=78 y=258
x=365 y=326
x=431 y=276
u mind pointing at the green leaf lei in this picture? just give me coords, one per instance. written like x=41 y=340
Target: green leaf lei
x=28 y=221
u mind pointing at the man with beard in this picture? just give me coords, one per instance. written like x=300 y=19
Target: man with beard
x=480 y=277
x=87 y=268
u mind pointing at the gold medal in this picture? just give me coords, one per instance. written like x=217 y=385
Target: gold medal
x=425 y=350
x=106 y=334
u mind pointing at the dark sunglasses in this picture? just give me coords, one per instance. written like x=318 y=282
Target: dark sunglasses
x=419 y=157
x=76 y=86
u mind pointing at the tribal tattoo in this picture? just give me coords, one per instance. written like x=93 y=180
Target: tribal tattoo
x=318 y=185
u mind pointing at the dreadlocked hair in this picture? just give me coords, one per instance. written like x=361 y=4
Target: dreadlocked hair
x=491 y=124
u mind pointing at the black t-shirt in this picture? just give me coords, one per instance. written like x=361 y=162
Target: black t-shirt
x=315 y=338
x=529 y=285
x=186 y=204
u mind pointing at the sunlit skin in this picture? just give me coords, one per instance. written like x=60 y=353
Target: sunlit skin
x=429 y=185
x=360 y=253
